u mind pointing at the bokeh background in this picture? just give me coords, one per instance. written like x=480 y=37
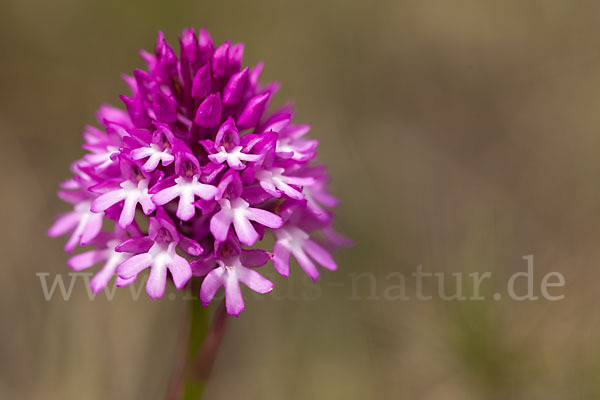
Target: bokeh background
x=461 y=136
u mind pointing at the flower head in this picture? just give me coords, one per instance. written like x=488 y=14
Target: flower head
x=197 y=158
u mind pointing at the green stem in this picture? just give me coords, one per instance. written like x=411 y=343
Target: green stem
x=198 y=331
x=201 y=348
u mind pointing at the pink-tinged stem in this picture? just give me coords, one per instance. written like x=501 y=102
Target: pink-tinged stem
x=199 y=352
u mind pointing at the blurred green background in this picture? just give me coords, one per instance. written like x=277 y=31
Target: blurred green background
x=460 y=135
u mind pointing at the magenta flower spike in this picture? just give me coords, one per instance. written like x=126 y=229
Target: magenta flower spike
x=195 y=155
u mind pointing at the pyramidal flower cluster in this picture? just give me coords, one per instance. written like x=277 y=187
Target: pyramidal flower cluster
x=194 y=173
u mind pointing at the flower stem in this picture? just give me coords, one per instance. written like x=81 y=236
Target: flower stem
x=197 y=359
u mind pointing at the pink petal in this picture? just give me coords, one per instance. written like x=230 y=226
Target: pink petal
x=281 y=259
x=219 y=225
x=142 y=152
x=254 y=280
x=101 y=279
x=107 y=200
x=235 y=87
x=92 y=228
x=166 y=195
x=135 y=245
x=180 y=271
x=208 y=113
x=190 y=246
x=217 y=158
x=234 y=302
x=147 y=204
x=254 y=258
x=157 y=280
x=186 y=208
x=250 y=157
x=211 y=283
x=319 y=254
x=299 y=181
x=74 y=239
x=306 y=264
x=206 y=192
x=253 y=111
x=120 y=282
x=77 y=233
x=202 y=82
x=202 y=266
x=128 y=212
x=244 y=230
x=133 y=266
x=86 y=260
x=220 y=58
x=270 y=188
x=290 y=191
x=63 y=224
x=326 y=199
x=264 y=217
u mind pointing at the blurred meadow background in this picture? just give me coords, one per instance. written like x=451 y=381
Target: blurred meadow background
x=461 y=136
